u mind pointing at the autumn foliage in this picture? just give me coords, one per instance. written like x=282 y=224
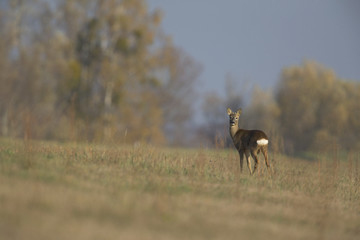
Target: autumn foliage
x=311 y=109
x=91 y=71
x=104 y=71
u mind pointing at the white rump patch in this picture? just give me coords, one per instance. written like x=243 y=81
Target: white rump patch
x=262 y=141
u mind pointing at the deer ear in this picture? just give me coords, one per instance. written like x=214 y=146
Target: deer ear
x=238 y=112
x=229 y=111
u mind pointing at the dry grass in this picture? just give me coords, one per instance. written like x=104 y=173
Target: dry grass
x=63 y=191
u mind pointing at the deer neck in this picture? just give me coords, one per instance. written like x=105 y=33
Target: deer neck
x=233 y=130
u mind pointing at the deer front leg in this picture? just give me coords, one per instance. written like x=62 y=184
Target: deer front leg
x=241 y=154
x=247 y=153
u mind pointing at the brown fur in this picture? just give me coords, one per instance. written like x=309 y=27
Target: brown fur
x=245 y=141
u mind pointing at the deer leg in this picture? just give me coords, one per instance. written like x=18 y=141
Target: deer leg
x=254 y=156
x=241 y=153
x=247 y=153
x=265 y=153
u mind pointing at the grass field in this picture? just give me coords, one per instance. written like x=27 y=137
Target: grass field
x=79 y=191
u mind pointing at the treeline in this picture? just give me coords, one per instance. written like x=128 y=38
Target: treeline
x=311 y=109
x=319 y=111
x=92 y=70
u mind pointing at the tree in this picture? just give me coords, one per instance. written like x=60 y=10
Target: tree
x=263 y=113
x=177 y=77
x=215 y=130
x=92 y=70
x=317 y=108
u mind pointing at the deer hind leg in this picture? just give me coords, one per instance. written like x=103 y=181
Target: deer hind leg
x=265 y=153
x=241 y=153
x=247 y=153
x=254 y=156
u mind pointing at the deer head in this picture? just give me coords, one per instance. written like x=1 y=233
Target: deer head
x=234 y=117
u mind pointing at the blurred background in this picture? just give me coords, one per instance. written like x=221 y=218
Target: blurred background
x=164 y=72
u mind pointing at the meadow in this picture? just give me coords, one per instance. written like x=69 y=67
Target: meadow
x=84 y=191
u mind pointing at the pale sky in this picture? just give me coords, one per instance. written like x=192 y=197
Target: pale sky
x=254 y=40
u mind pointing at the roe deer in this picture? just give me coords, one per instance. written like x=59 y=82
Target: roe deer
x=248 y=142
